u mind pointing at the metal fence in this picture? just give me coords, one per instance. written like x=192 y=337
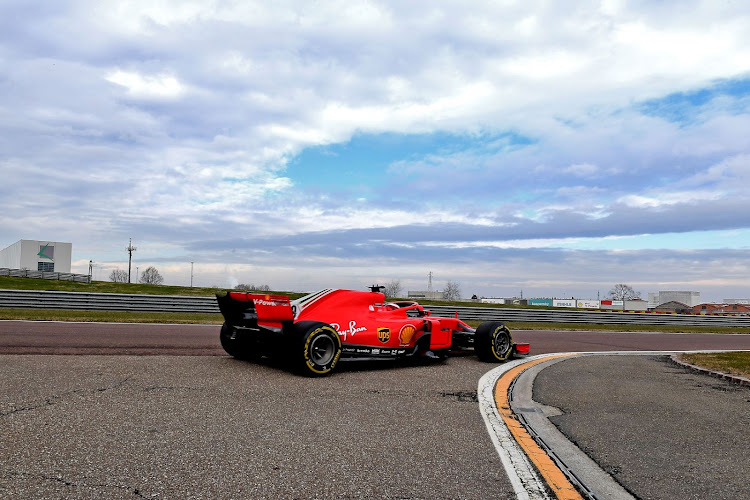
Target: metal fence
x=44 y=275
x=32 y=299
x=173 y=303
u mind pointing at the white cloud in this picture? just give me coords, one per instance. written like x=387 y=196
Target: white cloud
x=582 y=169
x=670 y=198
x=138 y=85
x=179 y=120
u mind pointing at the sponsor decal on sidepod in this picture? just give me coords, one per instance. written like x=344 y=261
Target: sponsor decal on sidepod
x=406 y=334
x=353 y=328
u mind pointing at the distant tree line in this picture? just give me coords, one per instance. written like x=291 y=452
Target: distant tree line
x=253 y=288
x=393 y=290
x=150 y=276
x=118 y=276
x=452 y=291
x=622 y=291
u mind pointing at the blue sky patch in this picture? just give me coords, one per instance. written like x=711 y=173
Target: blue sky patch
x=685 y=107
x=364 y=160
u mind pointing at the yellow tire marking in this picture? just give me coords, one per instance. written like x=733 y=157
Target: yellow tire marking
x=549 y=470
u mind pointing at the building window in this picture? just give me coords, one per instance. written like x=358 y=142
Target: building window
x=47 y=252
x=48 y=267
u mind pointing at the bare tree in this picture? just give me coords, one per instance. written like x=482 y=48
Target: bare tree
x=452 y=291
x=118 y=276
x=151 y=277
x=251 y=287
x=622 y=291
x=393 y=289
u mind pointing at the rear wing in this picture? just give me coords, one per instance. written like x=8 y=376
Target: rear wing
x=253 y=310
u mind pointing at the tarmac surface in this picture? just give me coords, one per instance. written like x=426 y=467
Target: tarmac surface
x=48 y=337
x=661 y=430
x=209 y=426
x=215 y=427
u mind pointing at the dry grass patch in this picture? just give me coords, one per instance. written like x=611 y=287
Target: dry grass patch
x=733 y=363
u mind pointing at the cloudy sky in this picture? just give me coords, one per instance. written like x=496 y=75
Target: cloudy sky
x=554 y=148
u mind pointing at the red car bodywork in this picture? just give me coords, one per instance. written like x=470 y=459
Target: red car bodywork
x=367 y=326
x=363 y=319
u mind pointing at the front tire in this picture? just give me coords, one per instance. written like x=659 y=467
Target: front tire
x=493 y=342
x=316 y=348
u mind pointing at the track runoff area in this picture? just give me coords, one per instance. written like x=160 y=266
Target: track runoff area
x=539 y=461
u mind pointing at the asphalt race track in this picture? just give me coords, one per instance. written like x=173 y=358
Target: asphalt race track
x=173 y=417
x=36 y=337
x=629 y=414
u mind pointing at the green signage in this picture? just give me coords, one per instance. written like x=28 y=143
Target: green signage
x=42 y=253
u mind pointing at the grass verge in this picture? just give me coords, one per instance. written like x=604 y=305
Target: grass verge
x=14 y=283
x=733 y=363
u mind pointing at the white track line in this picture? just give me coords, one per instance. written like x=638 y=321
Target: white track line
x=526 y=482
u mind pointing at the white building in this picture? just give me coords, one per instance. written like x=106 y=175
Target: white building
x=688 y=298
x=492 y=300
x=34 y=255
x=429 y=295
x=744 y=302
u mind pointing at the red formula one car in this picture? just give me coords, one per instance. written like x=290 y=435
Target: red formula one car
x=316 y=331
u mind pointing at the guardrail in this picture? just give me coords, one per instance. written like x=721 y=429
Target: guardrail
x=33 y=299
x=44 y=275
x=172 y=303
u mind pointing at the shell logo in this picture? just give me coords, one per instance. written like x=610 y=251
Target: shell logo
x=407 y=334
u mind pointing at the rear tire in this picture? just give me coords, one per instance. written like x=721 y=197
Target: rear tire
x=234 y=344
x=316 y=348
x=493 y=342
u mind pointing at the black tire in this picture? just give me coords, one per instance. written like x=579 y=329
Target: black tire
x=233 y=344
x=493 y=342
x=316 y=348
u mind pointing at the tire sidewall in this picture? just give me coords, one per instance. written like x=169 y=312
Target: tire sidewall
x=498 y=334
x=308 y=365
x=488 y=336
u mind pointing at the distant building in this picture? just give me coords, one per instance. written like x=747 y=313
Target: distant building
x=722 y=309
x=493 y=300
x=425 y=295
x=737 y=301
x=35 y=255
x=688 y=298
x=673 y=306
x=635 y=305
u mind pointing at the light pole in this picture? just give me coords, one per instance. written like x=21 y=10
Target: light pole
x=130 y=250
x=191 y=274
